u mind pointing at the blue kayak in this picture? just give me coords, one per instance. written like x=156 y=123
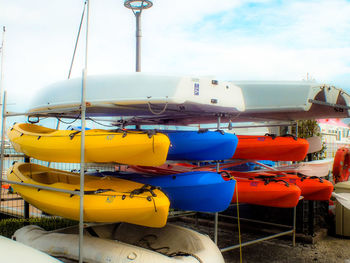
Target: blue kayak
x=193 y=191
x=201 y=146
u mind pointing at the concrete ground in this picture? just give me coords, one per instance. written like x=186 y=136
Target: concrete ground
x=327 y=249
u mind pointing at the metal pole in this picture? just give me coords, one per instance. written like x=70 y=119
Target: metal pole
x=2 y=64
x=43 y=187
x=294 y=224
x=82 y=145
x=138 y=41
x=2 y=140
x=26 y=204
x=82 y=168
x=218 y=122
x=257 y=241
x=216 y=227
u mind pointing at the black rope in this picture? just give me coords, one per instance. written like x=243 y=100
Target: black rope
x=271 y=178
x=273 y=136
x=203 y=130
x=303 y=177
x=184 y=254
x=65 y=122
x=221 y=131
x=147 y=244
x=146 y=188
x=72 y=135
x=225 y=174
x=99 y=123
x=94 y=192
x=290 y=135
x=144 y=240
x=143 y=189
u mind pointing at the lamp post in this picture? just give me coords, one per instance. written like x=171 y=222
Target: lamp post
x=137 y=6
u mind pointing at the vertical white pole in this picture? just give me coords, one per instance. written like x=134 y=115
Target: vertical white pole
x=2 y=69
x=138 y=41
x=216 y=223
x=3 y=124
x=2 y=64
x=2 y=114
x=82 y=149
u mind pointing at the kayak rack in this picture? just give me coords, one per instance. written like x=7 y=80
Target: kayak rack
x=176 y=214
x=291 y=231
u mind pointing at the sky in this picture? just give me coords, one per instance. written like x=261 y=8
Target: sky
x=229 y=39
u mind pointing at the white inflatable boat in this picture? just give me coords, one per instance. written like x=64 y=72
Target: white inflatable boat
x=123 y=243
x=16 y=252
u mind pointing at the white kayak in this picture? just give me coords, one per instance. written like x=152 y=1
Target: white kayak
x=139 y=94
x=116 y=243
x=318 y=168
x=16 y=252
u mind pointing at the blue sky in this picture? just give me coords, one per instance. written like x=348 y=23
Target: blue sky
x=230 y=39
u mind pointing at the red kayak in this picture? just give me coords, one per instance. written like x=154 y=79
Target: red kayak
x=312 y=188
x=266 y=192
x=270 y=147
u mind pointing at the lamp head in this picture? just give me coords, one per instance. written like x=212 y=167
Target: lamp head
x=138 y=5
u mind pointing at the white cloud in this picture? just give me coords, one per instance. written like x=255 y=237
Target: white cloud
x=231 y=39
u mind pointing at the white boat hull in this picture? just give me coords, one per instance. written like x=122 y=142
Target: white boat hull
x=319 y=168
x=139 y=94
x=16 y=252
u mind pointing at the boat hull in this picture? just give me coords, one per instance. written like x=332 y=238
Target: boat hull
x=105 y=200
x=126 y=147
x=16 y=252
x=140 y=94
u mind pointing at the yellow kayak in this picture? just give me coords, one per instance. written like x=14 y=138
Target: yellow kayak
x=101 y=146
x=106 y=199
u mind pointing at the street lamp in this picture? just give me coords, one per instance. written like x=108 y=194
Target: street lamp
x=137 y=6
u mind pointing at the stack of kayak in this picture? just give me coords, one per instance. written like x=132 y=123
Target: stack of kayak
x=267 y=188
x=123 y=197
x=148 y=182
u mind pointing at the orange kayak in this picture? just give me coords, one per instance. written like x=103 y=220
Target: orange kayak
x=261 y=192
x=312 y=188
x=268 y=147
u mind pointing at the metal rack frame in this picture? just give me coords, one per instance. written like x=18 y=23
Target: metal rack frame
x=255 y=241
x=82 y=165
x=287 y=232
